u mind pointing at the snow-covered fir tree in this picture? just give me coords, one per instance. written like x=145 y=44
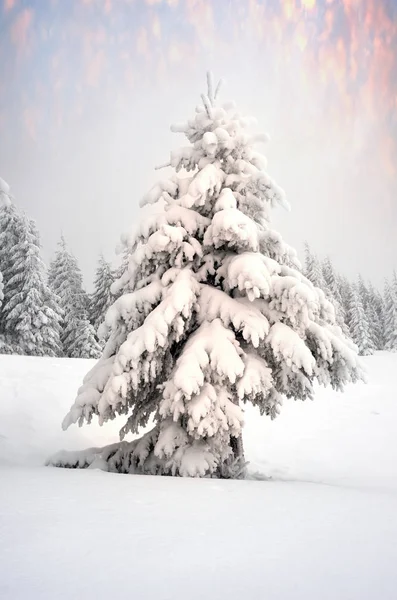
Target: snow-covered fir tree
x=331 y=279
x=102 y=297
x=65 y=278
x=373 y=308
x=10 y=224
x=218 y=315
x=2 y=340
x=79 y=337
x=1 y=289
x=66 y=281
x=391 y=315
x=11 y=227
x=344 y=287
x=313 y=270
x=363 y=291
x=358 y=323
x=333 y=292
x=31 y=314
x=323 y=276
x=5 y=194
x=377 y=302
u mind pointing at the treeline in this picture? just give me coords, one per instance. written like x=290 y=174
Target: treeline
x=46 y=312
x=49 y=313
x=366 y=315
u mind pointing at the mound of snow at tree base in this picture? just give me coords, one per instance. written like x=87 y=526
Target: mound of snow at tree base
x=324 y=526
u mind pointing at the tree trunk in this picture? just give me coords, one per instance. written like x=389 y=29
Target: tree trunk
x=236 y=466
x=237 y=447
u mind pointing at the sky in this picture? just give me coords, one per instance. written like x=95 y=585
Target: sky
x=89 y=89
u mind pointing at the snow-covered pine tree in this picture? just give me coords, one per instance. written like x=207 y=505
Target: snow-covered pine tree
x=2 y=344
x=65 y=278
x=1 y=289
x=358 y=323
x=379 y=305
x=2 y=341
x=5 y=195
x=333 y=292
x=66 y=281
x=374 y=310
x=391 y=315
x=10 y=223
x=363 y=291
x=218 y=316
x=344 y=286
x=31 y=315
x=331 y=279
x=101 y=298
x=323 y=276
x=5 y=200
x=313 y=270
x=79 y=337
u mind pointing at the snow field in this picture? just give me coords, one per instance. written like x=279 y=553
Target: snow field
x=323 y=526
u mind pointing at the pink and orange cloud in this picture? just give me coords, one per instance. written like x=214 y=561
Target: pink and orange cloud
x=20 y=29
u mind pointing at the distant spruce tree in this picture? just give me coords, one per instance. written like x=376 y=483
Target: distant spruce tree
x=333 y=292
x=324 y=276
x=379 y=304
x=338 y=289
x=66 y=281
x=5 y=196
x=344 y=287
x=31 y=315
x=358 y=324
x=79 y=338
x=10 y=225
x=391 y=314
x=102 y=298
x=2 y=341
x=363 y=291
x=1 y=289
x=331 y=280
x=313 y=270
x=374 y=310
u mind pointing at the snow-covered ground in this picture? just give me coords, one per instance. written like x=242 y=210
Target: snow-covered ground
x=324 y=525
